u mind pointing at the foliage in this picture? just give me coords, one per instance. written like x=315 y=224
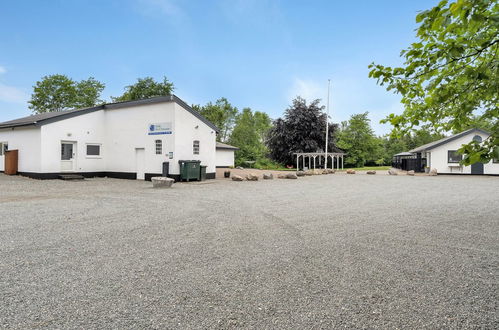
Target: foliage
x=357 y=139
x=222 y=114
x=302 y=129
x=247 y=136
x=451 y=74
x=145 y=88
x=59 y=92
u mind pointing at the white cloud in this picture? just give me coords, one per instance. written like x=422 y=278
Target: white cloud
x=308 y=89
x=12 y=94
x=2 y=69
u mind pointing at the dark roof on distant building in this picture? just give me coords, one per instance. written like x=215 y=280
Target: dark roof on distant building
x=221 y=145
x=445 y=140
x=50 y=117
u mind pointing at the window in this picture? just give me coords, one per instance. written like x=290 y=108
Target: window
x=93 y=150
x=3 y=148
x=195 y=147
x=454 y=157
x=159 y=147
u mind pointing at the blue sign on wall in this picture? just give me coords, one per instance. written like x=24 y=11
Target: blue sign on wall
x=160 y=128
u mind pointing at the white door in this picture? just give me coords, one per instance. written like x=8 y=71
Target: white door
x=140 y=163
x=68 y=153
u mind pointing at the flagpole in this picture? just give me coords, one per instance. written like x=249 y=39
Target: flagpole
x=327 y=120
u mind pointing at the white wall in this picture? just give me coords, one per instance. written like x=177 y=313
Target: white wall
x=224 y=157
x=439 y=157
x=185 y=133
x=27 y=141
x=88 y=128
x=127 y=129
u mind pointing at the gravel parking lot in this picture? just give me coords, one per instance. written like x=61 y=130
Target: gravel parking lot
x=342 y=251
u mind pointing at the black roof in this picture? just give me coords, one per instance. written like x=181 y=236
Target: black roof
x=445 y=140
x=50 y=117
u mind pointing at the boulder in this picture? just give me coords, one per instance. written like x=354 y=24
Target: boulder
x=268 y=176
x=281 y=176
x=433 y=172
x=291 y=176
x=371 y=172
x=162 y=182
x=300 y=173
x=325 y=171
x=350 y=171
x=252 y=177
x=317 y=172
x=237 y=178
x=411 y=172
x=392 y=171
x=240 y=168
x=309 y=172
x=330 y=171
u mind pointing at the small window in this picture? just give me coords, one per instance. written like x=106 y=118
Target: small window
x=195 y=147
x=454 y=157
x=159 y=147
x=93 y=150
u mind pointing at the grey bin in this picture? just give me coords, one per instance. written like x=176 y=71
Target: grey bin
x=202 y=175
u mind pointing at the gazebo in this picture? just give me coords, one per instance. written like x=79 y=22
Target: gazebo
x=313 y=159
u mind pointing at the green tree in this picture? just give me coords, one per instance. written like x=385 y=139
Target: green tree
x=145 y=88
x=248 y=134
x=357 y=139
x=59 y=92
x=302 y=129
x=451 y=74
x=222 y=114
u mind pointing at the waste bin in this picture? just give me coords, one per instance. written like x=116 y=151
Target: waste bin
x=189 y=169
x=166 y=169
x=202 y=176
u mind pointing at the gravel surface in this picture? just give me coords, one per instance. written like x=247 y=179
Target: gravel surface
x=335 y=251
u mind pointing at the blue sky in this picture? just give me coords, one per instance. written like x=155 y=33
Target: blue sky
x=257 y=53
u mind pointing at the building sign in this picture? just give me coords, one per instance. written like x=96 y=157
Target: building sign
x=160 y=128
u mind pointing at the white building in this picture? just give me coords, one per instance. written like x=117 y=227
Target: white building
x=124 y=140
x=442 y=154
x=225 y=155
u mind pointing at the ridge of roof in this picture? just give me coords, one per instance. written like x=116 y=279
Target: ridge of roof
x=53 y=116
x=447 y=139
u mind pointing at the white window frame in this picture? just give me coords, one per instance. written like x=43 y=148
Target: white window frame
x=160 y=145
x=93 y=156
x=196 y=149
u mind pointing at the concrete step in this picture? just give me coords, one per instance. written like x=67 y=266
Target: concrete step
x=71 y=177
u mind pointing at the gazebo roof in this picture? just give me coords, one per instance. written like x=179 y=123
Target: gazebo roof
x=405 y=153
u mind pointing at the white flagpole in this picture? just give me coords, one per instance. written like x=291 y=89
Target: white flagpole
x=327 y=120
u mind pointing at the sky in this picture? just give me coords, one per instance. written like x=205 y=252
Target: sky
x=257 y=53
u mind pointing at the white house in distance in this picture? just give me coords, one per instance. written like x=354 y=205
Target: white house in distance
x=442 y=154
x=123 y=140
x=225 y=155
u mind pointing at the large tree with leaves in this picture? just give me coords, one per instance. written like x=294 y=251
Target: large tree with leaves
x=59 y=92
x=302 y=129
x=222 y=114
x=146 y=88
x=357 y=139
x=249 y=134
x=451 y=75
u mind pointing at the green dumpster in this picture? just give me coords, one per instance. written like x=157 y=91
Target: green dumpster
x=202 y=176
x=189 y=169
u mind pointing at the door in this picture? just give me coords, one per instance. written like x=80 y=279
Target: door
x=140 y=163
x=477 y=168
x=68 y=153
